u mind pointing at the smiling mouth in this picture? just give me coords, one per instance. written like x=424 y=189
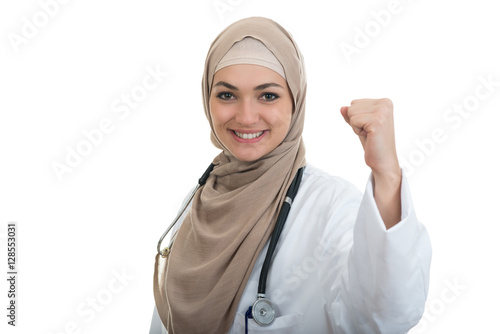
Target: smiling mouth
x=248 y=135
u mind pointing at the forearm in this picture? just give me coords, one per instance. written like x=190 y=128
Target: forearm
x=387 y=193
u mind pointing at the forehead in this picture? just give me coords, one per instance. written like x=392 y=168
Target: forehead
x=248 y=75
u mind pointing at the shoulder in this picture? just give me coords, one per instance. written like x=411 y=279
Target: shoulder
x=325 y=207
x=325 y=196
x=316 y=180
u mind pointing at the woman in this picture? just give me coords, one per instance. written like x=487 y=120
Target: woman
x=344 y=263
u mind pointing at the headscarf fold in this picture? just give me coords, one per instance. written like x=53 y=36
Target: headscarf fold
x=199 y=285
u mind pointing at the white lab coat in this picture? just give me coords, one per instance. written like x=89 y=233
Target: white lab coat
x=337 y=269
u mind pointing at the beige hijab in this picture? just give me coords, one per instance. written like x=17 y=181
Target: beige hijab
x=198 y=286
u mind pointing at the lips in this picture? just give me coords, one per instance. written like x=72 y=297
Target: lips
x=248 y=137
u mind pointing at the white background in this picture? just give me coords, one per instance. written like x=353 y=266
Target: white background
x=106 y=215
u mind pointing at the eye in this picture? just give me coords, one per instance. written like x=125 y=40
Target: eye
x=225 y=96
x=269 y=96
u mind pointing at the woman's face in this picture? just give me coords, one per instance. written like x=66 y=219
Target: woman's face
x=251 y=109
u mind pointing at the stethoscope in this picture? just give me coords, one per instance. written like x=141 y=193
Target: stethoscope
x=262 y=310
x=203 y=179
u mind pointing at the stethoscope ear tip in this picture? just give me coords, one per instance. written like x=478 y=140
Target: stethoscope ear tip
x=164 y=252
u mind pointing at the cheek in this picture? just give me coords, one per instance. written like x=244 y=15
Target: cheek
x=284 y=119
x=218 y=114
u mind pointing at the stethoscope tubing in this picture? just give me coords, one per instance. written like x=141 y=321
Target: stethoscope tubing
x=202 y=180
x=280 y=223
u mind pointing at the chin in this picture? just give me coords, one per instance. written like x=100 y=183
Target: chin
x=248 y=157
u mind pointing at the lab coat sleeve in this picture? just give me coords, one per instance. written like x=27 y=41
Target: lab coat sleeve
x=384 y=284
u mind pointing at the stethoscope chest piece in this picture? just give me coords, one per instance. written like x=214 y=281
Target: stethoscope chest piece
x=263 y=311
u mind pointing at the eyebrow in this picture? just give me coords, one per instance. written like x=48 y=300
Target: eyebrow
x=259 y=87
x=225 y=84
x=267 y=85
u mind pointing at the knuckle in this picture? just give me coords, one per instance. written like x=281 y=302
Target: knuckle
x=385 y=106
x=380 y=120
x=386 y=102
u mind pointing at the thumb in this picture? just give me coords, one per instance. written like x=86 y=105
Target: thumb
x=343 y=111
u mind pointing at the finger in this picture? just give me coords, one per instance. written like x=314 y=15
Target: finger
x=358 y=131
x=358 y=127
x=361 y=108
x=363 y=122
x=363 y=101
x=343 y=111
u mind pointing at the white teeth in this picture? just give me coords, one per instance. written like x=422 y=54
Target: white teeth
x=249 y=135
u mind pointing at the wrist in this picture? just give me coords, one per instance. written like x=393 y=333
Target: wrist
x=387 y=194
x=388 y=176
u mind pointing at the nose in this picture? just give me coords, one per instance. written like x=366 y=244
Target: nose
x=247 y=113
